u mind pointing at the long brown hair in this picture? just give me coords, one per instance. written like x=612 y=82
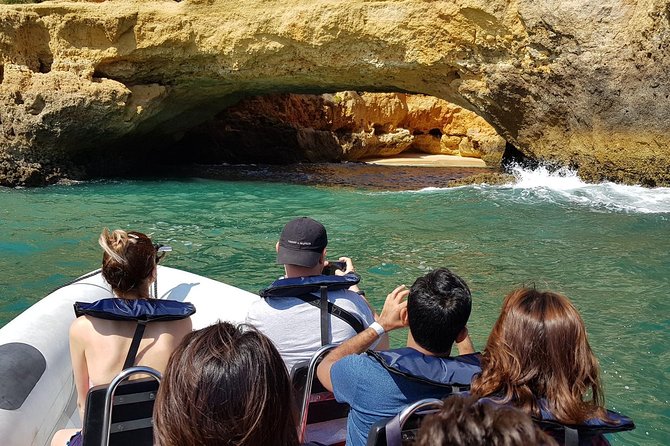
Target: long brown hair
x=128 y=258
x=538 y=350
x=225 y=385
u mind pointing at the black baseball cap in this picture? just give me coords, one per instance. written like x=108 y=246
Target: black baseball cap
x=302 y=242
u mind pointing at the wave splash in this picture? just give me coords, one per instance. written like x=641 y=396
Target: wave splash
x=566 y=185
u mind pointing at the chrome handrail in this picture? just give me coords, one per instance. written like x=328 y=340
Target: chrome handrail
x=109 y=396
x=311 y=370
x=414 y=407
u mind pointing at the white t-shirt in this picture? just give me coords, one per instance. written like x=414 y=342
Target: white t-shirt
x=294 y=326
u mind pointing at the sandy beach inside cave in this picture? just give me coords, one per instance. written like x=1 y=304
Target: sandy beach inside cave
x=426 y=160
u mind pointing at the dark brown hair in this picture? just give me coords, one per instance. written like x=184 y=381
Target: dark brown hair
x=438 y=307
x=225 y=385
x=538 y=350
x=466 y=422
x=128 y=259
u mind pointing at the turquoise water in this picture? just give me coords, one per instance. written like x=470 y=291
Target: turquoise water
x=605 y=246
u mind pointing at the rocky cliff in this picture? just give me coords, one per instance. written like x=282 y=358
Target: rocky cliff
x=102 y=85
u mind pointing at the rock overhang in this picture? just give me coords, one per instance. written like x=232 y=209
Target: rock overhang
x=573 y=84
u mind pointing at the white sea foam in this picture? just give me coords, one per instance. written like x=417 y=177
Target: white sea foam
x=565 y=185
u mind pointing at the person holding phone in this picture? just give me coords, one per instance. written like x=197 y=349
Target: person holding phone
x=291 y=322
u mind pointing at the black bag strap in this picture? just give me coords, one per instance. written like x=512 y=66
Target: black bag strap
x=335 y=310
x=135 y=344
x=325 y=320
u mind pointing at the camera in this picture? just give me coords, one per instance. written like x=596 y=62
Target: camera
x=332 y=267
x=161 y=250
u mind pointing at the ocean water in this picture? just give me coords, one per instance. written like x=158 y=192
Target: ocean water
x=605 y=246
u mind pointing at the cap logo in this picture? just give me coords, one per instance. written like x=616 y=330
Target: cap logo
x=298 y=242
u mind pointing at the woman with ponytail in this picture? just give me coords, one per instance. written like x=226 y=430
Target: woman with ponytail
x=98 y=347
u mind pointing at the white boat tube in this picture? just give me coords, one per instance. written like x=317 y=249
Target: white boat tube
x=37 y=392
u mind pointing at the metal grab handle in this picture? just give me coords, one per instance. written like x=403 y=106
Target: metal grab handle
x=109 y=396
x=311 y=370
x=394 y=427
x=414 y=407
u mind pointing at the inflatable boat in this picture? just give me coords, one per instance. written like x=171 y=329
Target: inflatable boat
x=37 y=391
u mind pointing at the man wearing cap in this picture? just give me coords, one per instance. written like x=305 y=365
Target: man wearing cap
x=293 y=324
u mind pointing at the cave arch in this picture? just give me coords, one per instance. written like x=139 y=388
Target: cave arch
x=561 y=84
x=339 y=126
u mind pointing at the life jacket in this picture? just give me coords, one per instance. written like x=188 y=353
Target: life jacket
x=454 y=372
x=576 y=434
x=305 y=288
x=143 y=311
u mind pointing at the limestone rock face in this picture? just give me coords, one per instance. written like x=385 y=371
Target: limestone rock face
x=105 y=84
x=348 y=126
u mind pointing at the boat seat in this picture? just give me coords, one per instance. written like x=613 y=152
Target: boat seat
x=401 y=429
x=121 y=413
x=322 y=418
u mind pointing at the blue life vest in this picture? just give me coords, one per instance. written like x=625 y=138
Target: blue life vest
x=135 y=309
x=298 y=286
x=141 y=310
x=454 y=372
x=303 y=289
x=576 y=434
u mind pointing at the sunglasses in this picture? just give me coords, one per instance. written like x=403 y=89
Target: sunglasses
x=161 y=250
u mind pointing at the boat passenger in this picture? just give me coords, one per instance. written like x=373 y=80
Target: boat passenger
x=378 y=385
x=467 y=422
x=225 y=385
x=538 y=359
x=98 y=347
x=291 y=322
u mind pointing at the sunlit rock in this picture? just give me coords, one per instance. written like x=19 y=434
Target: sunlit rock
x=113 y=84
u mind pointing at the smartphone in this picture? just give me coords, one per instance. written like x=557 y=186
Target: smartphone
x=332 y=267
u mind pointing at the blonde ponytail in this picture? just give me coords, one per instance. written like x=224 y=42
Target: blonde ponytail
x=114 y=244
x=128 y=260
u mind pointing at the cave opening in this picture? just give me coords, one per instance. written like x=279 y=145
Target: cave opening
x=339 y=126
x=348 y=128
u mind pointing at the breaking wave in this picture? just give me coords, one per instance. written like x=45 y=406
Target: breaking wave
x=565 y=187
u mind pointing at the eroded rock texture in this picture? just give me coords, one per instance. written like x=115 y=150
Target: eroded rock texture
x=575 y=83
x=343 y=126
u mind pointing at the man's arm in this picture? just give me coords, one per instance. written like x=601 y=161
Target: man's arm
x=384 y=342
x=354 y=288
x=390 y=319
x=465 y=346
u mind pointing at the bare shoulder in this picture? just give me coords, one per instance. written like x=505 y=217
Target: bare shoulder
x=178 y=328
x=184 y=326
x=80 y=327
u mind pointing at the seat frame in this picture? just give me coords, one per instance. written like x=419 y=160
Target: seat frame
x=307 y=396
x=127 y=399
x=392 y=427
